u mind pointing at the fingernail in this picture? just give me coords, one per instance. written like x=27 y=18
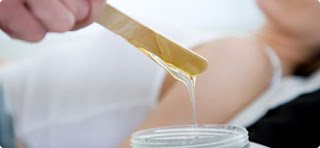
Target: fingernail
x=70 y=20
x=70 y=17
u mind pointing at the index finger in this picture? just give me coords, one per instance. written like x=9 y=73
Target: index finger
x=96 y=6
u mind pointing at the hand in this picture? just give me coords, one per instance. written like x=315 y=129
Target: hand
x=30 y=20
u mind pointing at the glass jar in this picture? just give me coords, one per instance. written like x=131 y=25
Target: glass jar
x=208 y=136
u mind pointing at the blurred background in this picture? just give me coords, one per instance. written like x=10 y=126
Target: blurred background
x=92 y=81
x=214 y=18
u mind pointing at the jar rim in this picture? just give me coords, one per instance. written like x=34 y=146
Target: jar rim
x=184 y=136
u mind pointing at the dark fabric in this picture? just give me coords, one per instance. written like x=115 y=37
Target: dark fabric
x=6 y=132
x=294 y=124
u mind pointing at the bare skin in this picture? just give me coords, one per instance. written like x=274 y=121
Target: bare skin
x=239 y=69
x=30 y=20
x=245 y=76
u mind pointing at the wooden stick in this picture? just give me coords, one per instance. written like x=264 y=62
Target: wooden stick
x=148 y=41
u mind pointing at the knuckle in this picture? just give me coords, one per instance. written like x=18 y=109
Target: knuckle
x=56 y=21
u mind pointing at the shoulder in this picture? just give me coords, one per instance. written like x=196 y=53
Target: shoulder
x=236 y=63
x=243 y=51
x=233 y=45
x=239 y=63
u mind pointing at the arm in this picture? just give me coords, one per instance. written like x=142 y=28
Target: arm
x=239 y=71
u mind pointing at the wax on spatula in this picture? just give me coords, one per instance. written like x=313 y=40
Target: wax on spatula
x=148 y=41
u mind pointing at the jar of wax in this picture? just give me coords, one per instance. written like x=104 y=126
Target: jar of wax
x=207 y=136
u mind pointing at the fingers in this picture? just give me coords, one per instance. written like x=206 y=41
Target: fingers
x=30 y=20
x=52 y=14
x=18 y=22
x=79 y=8
x=96 y=6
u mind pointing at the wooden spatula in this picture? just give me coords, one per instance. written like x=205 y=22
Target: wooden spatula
x=148 y=41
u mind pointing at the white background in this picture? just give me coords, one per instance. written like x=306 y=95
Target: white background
x=210 y=16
